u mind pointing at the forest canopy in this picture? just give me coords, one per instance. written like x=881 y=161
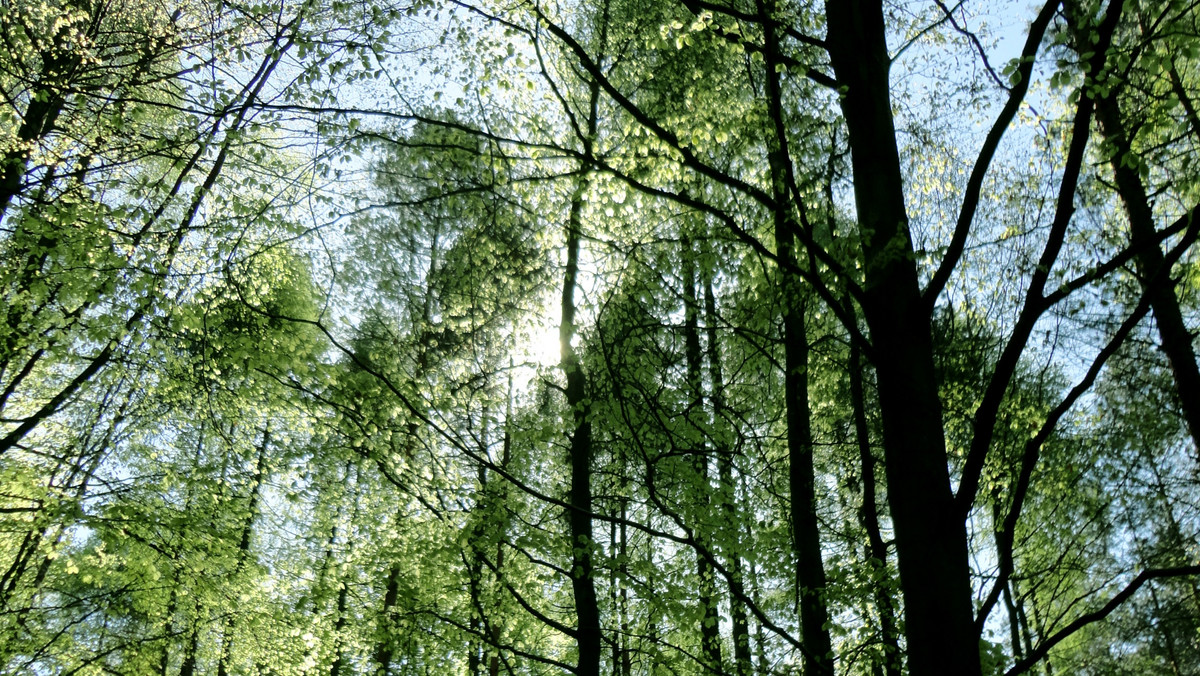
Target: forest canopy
x=630 y=337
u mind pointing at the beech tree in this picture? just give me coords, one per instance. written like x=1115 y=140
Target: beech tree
x=635 y=337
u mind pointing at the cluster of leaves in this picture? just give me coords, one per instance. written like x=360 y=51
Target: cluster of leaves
x=260 y=418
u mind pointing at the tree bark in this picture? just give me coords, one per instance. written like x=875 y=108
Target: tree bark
x=931 y=540
x=806 y=533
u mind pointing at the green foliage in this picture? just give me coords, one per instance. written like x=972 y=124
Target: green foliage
x=273 y=279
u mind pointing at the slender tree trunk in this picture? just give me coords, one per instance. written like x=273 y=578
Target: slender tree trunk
x=485 y=502
x=243 y=552
x=1022 y=617
x=743 y=662
x=164 y=657
x=579 y=517
x=335 y=669
x=931 y=538
x=1151 y=267
x=502 y=498
x=1014 y=629
x=625 y=656
x=869 y=519
x=383 y=641
x=339 y=623
x=710 y=623
x=806 y=535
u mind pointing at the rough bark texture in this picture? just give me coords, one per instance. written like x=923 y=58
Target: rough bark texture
x=931 y=540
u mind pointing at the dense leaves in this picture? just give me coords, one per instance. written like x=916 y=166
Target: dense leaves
x=610 y=337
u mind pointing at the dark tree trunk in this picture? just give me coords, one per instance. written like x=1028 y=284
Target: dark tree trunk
x=806 y=533
x=931 y=539
x=579 y=516
x=743 y=662
x=383 y=641
x=710 y=624
x=869 y=518
x=1151 y=267
x=335 y=669
x=188 y=666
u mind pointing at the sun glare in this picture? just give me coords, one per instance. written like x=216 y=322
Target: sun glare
x=544 y=345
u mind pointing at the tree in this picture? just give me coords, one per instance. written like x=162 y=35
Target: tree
x=872 y=348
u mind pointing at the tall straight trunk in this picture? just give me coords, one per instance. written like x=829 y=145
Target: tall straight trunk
x=1151 y=267
x=931 y=538
x=806 y=534
x=485 y=503
x=243 y=552
x=505 y=457
x=164 y=657
x=737 y=591
x=868 y=517
x=710 y=624
x=579 y=516
x=188 y=666
x=340 y=619
x=625 y=656
x=335 y=669
x=383 y=642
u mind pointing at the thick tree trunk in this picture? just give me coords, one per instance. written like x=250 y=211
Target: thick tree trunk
x=38 y=122
x=931 y=539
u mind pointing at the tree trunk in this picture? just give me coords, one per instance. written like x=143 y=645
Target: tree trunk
x=1151 y=267
x=383 y=641
x=243 y=553
x=737 y=591
x=806 y=534
x=579 y=516
x=869 y=519
x=710 y=623
x=931 y=539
